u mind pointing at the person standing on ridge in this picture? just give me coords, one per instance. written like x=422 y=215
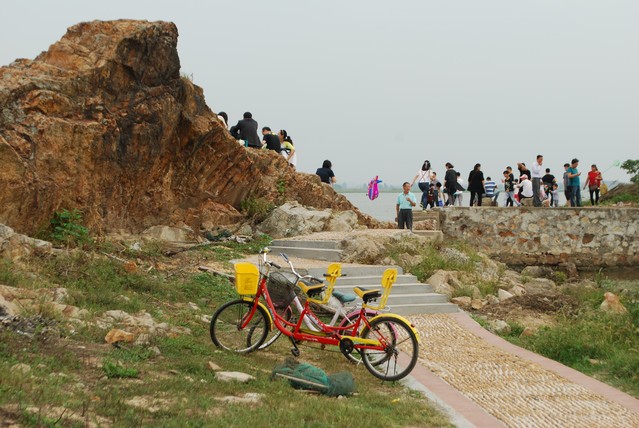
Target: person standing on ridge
x=567 y=184
x=404 y=208
x=423 y=181
x=574 y=184
x=325 y=173
x=246 y=131
x=450 y=183
x=593 y=181
x=476 y=184
x=537 y=173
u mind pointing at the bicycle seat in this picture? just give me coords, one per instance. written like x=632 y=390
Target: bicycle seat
x=310 y=287
x=367 y=295
x=344 y=297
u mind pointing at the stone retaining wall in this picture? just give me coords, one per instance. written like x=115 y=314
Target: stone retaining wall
x=588 y=237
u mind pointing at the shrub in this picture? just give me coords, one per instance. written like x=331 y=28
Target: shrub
x=66 y=228
x=113 y=370
x=256 y=208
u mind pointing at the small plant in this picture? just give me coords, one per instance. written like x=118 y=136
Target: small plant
x=66 y=228
x=525 y=279
x=256 y=208
x=114 y=370
x=487 y=287
x=600 y=277
x=560 y=277
x=281 y=186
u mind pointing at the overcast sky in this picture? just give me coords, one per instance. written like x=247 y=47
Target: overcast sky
x=377 y=87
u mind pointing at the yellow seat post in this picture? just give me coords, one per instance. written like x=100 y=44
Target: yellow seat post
x=388 y=279
x=333 y=272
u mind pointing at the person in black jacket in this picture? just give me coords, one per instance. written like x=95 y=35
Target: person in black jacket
x=476 y=184
x=270 y=140
x=450 y=183
x=246 y=130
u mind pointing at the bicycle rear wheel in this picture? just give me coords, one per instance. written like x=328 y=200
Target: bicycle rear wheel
x=397 y=336
x=350 y=318
x=226 y=326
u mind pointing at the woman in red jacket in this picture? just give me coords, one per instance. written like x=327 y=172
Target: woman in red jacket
x=594 y=183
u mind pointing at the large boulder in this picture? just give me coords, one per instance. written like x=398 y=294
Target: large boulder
x=14 y=245
x=103 y=122
x=292 y=219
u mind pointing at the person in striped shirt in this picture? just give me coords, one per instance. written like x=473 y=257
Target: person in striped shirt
x=490 y=186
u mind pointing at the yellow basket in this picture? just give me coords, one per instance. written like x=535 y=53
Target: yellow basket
x=246 y=278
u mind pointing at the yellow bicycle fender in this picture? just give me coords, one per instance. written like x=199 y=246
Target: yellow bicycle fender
x=361 y=341
x=268 y=313
x=400 y=318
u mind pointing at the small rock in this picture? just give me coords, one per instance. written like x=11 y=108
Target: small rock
x=612 y=304
x=193 y=306
x=130 y=267
x=593 y=361
x=117 y=335
x=233 y=377
x=21 y=368
x=248 y=398
x=173 y=372
x=214 y=367
x=492 y=300
x=500 y=327
x=206 y=319
x=477 y=304
x=504 y=295
x=156 y=351
x=135 y=246
x=517 y=290
x=463 y=301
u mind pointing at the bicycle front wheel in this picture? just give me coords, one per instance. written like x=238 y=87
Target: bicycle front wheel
x=237 y=327
x=396 y=336
x=287 y=314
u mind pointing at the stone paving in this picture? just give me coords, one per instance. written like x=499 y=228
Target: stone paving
x=514 y=390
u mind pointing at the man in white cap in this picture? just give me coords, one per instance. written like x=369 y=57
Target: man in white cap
x=526 y=188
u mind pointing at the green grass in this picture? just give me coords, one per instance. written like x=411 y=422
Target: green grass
x=431 y=259
x=597 y=343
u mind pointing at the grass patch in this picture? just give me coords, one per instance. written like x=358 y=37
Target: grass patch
x=592 y=341
x=113 y=370
x=432 y=259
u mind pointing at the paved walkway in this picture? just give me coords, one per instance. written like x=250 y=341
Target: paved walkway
x=483 y=380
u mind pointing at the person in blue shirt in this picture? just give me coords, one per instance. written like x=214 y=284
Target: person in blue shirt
x=573 y=183
x=404 y=208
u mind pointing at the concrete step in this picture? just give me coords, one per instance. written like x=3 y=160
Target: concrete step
x=420 y=298
x=423 y=308
x=309 y=253
x=433 y=235
x=409 y=288
x=374 y=279
x=356 y=271
x=326 y=245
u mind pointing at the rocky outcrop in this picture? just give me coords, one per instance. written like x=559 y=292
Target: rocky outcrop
x=103 y=122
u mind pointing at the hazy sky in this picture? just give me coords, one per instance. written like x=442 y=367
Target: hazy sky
x=377 y=87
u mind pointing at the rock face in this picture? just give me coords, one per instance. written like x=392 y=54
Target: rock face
x=104 y=123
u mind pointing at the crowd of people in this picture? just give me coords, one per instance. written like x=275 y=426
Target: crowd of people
x=246 y=132
x=536 y=186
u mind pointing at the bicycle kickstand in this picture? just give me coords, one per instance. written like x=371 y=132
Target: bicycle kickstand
x=294 y=350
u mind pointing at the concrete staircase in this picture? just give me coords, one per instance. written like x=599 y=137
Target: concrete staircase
x=316 y=250
x=408 y=296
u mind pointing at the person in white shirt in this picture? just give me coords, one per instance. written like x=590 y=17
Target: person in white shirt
x=526 y=188
x=537 y=172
